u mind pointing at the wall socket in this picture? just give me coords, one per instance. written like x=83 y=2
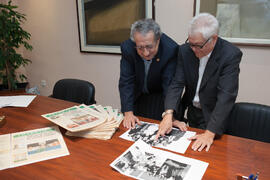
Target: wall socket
x=43 y=83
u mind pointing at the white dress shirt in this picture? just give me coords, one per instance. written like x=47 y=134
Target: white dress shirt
x=203 y=63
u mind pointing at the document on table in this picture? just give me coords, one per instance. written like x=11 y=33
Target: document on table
x=16 y=101
x=31 y=146
x=75 y=118
x=176 y=140
x=102 y=131
x=141 y=161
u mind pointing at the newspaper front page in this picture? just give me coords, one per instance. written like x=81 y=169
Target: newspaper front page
x=75 y=119
x=31 y=146
x=102 y=131
x=141 y=161
x=176 y=140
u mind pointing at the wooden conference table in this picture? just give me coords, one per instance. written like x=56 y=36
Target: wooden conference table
x=90 y=158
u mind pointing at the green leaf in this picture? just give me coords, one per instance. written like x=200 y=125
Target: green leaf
x=12 y=37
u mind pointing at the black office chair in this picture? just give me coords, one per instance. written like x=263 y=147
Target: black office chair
x=74 y=90
x=250 y=120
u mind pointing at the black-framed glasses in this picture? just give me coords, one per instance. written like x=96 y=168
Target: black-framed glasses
x=197 y=45
x=147 y=47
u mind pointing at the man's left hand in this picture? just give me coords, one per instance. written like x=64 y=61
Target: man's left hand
x=202 y=141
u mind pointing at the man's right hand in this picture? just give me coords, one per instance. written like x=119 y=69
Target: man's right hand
x=165 y=126
x=130 y=120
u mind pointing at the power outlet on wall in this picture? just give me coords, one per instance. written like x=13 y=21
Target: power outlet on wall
x=43 y=83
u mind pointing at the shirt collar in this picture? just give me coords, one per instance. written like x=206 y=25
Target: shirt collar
x=207 y=56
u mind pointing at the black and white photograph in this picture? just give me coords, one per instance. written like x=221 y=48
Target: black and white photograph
x=141 y=161
x=171 y=169
x=176 y=140
x=144 y=165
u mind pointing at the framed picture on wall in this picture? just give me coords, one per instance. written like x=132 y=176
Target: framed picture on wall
x=104 y=24
x=244 y=22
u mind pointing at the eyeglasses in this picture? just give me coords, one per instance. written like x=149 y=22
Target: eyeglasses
x=147 y=47
x=197 y=45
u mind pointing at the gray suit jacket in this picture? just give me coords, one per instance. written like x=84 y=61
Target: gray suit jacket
x=219 y=85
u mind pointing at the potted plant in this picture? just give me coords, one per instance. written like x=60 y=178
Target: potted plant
x=12 y=37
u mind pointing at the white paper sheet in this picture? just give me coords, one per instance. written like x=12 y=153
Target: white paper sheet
x=16 y=101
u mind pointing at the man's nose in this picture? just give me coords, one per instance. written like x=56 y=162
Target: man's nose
x=194 y=48
x=145 y=52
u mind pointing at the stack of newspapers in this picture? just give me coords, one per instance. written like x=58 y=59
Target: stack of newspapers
x=89 y=121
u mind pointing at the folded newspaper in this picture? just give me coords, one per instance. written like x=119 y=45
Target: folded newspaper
x=92 y=121
x=141 y=161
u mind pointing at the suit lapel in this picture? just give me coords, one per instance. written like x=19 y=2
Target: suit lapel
x=211 y=66
x=154 y=67
x=209 y=70
x=194 y=68
x=139 y=70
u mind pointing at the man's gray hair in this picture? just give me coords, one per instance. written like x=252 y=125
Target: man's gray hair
x=204 y=23
x=145 y=26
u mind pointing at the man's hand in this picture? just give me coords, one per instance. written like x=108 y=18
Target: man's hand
x=165 y=126
x=202 y=141
x=179 y=124
x=130 y=120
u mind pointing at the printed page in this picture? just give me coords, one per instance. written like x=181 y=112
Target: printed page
x=37 y=145
x=5 y=151
x=100 y=109
x=109 y=111
x=141 y=161
x=104 y=130
x=92 y=111
x=114 y=118
x=118 y=116
x=176 y=140
x=74 y=119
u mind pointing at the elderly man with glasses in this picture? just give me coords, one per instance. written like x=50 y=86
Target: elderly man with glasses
x=208 y=73
x=147 y=67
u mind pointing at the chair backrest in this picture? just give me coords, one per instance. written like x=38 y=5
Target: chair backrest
x=250 y=120
x=74 y=90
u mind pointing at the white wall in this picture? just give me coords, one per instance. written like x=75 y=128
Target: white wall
x=56 y=54
x=54 y=29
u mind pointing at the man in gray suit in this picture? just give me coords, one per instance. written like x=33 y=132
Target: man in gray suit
x=208 y=73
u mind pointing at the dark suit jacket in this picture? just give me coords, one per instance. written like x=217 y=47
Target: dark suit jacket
x=132 y=72
x=219 y=85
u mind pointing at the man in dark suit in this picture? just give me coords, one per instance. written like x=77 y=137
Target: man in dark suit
x=147 y=67
x=208 y=71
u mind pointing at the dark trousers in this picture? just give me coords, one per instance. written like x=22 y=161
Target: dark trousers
x=195 y=117
x=150 y=106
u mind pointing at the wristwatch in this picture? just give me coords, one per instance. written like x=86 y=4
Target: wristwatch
x=166 y=112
